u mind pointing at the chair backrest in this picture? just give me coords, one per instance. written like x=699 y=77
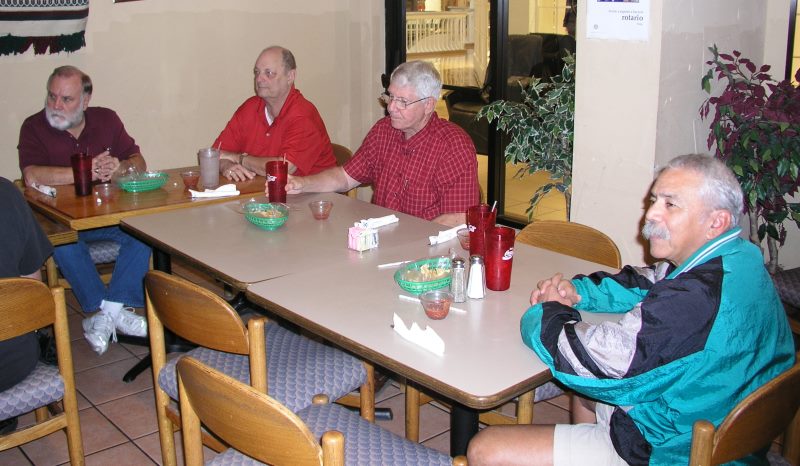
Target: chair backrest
x=204 y=318
x=751 y=425
x=27 y=305
x=572 y=239
x=249 y=421
x=341 y=153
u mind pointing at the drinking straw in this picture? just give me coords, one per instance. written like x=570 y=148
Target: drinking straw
x=494 y=205
x=219 y=146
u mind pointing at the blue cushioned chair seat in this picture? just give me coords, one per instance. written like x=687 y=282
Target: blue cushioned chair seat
x=40 y=388
x=364 y=442
x=103 y=252
x=297 y=368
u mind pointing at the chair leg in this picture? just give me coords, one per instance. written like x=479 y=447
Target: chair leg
x=525 y=408
x=367 y=392
x=41 y=414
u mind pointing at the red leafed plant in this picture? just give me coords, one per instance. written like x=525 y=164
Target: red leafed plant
x=756 y=131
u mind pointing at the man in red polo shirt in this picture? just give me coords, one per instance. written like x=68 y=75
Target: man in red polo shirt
x=277 y=122
x=417 y=163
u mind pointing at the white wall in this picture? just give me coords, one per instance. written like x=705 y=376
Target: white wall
x=637 y=105
x=175 y=70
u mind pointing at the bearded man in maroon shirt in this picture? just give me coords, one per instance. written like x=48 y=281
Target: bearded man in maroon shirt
x=417 y=163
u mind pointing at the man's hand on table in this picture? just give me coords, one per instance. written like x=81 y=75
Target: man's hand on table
x=103 y=166
x=557 y=289
x=235 y=172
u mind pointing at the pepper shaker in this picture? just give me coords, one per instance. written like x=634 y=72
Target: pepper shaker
x=458 y=282
x=476 y=284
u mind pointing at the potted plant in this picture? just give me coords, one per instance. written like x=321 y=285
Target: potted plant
x=755 y=126
x=541 y=130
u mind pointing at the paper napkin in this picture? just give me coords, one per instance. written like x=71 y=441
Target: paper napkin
x=377 y=222
x=44 y=189
x=222 y=191
x=428 y=338
x=446 y=235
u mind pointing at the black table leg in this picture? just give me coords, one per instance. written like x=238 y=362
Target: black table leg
x=463 y=426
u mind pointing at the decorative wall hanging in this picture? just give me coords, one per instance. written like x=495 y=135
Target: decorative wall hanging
x=57 y=25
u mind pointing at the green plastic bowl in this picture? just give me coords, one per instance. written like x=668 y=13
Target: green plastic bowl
x=266 y=216
x=147 y=181
x=412 y=276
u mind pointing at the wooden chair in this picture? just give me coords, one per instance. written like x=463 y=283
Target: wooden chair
x=752 y=424
x=298 y=368
x=258 y=426
x=28 y=305
x=572 y=239
x=342 y=155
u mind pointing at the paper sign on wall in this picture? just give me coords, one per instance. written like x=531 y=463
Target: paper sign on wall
x=618 y=19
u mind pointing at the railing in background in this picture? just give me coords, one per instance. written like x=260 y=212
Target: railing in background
x=431 y=32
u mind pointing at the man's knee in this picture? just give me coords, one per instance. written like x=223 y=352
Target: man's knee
x=483 y=446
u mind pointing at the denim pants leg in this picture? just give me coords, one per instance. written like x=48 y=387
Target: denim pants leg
x=127 y=285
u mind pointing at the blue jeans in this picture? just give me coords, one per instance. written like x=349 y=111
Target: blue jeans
x=127 y=279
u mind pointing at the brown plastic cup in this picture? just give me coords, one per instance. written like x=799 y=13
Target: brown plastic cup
x=480 y=218
x=277 y=171
x=499 y=257
x=82 y=173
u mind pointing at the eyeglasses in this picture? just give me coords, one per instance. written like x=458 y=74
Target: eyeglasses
x=400 y=102
x=268 y=73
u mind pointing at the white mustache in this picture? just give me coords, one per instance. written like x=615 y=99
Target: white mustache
x=652 y=230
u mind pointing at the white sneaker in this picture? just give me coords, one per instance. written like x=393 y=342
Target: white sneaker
x=130 y=323
x=97 y=329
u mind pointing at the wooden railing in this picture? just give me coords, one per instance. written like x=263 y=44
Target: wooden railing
x=431 y=32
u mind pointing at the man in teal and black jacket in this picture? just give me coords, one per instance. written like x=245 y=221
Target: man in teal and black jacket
x=701 y=330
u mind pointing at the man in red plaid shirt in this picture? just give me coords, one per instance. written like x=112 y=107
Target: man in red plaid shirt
x=416 y=162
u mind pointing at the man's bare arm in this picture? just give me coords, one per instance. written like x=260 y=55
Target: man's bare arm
x=334 y=179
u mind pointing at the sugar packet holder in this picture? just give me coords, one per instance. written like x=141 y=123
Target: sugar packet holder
x=44 y=189
x=361 y=239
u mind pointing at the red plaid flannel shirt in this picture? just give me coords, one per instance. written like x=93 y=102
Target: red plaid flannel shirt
x=433 y=173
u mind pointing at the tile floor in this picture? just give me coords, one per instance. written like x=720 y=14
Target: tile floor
x=118 y=419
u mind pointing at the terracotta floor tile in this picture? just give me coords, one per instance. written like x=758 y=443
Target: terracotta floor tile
x=84 y=358
x=13 y=457
x=102 y=384
x=75 y=321
x=152 y=446
x=433 y=421
x=134 y=415
x=127 y=454
x=440 y=442
x=97 y=433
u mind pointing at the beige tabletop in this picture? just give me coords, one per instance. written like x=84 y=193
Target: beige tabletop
x=94 y=211
x=485 y=362
x=218 y=239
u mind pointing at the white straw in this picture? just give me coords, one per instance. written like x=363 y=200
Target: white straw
x=494 y=204
x=412 y=299
x=392 y=264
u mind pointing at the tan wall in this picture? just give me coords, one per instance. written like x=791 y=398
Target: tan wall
x=175 y=70
x=637 y=105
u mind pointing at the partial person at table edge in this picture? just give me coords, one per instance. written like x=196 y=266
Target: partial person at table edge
x=23 y=249
x=277 y=123
x=47 y=140
x=417 y=163
x=700 y=330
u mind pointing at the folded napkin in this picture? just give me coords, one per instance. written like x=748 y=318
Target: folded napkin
x=446 y=235
x=428 y=338
x=44 y=189
x=377 y=222
x=222 y=191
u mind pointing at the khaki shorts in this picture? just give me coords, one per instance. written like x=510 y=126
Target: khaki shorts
x=586 y=444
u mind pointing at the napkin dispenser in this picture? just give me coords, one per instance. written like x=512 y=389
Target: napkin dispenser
x=361 y=239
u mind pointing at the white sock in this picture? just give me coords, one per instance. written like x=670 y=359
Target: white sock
x=111 y=308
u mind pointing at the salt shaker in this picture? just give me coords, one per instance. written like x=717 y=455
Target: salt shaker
x=458 y=282
x=477 y=278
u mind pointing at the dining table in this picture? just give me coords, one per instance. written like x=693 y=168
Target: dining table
x=304 y=273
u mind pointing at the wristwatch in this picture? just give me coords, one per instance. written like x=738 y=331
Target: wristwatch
x=241 y=158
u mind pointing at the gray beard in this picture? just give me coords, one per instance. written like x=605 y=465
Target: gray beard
x=651 y=230
x=65 y=122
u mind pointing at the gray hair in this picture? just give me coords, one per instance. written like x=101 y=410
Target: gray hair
x=68 y=71
x=287 y=57
x=420 y=75
x=720 y=188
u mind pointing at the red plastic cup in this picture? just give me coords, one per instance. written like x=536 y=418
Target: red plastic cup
x=276 y=180
x=499 y=257
x=82 y=173
x=480 y=218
